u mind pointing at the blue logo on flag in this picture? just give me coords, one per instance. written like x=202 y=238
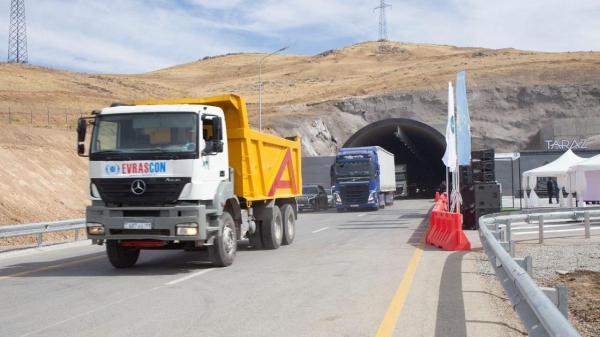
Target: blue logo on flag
x=112 y=169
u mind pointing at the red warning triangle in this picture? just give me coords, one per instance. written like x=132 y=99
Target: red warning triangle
x=278 y=183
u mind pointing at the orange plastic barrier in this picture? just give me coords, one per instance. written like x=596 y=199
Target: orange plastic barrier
x=437 y=196
x=445 y=229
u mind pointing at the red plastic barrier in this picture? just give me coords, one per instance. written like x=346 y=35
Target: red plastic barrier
x=437 y=196
x=445 y=229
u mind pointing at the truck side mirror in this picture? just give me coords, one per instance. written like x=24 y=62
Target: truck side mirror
x=81 y=129
x=218 y=134
x=217 y=128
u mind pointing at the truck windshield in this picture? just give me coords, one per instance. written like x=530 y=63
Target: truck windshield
x=309 y=190
x=146 y=133
x=353 y=169
x=400 y=176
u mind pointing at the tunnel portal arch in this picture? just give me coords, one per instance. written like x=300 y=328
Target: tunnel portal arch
x=416 y=144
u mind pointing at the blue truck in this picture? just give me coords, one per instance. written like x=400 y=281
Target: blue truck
x=364 y=178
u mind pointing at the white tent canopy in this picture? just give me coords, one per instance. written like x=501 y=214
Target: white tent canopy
x=584 y=176
x=590 y=164
x=558 y=169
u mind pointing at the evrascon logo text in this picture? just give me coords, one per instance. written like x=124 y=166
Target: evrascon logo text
x=137 y=168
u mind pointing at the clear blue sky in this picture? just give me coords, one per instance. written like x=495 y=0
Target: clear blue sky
x=133 y=36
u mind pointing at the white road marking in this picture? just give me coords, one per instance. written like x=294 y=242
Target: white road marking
x=189 y=276
x=362 y=214
x=556 y=231
x=91 y=311
x=322 y=229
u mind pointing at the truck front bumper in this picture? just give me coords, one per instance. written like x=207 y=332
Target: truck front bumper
x=372 y=204
x=163 y=220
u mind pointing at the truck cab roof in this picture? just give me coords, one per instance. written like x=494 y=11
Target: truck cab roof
x=125 y=109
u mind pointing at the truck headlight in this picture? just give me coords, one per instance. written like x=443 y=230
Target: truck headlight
x=95 y=228
x=187 y=229
x=337 y=198
x=371 y=196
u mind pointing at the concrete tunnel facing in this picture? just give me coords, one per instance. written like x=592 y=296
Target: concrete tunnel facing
x=416 y=144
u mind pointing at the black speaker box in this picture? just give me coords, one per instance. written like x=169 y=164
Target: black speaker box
x=484 y=176
x=483 y=155
x=482 y=165
x=471 y=216
x=465 y=174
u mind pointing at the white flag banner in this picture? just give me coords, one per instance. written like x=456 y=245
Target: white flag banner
x=449 y=158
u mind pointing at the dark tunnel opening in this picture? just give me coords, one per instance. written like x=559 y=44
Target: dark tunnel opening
x=418 y=145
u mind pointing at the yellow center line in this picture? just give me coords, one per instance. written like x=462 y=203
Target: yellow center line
x=50 y=267
x=393 y=313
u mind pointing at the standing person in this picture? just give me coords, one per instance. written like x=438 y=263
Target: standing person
x=550 y=187
x=556 y=189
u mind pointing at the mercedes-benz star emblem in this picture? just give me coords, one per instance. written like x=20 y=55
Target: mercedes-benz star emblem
x=138 y=187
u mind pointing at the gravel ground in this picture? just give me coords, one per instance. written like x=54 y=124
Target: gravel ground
x=563 y=256
x=578 y=262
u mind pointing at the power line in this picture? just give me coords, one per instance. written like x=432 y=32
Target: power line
x=17 y=35
x=382 y=21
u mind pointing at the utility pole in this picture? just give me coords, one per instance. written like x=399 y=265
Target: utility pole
x=382 y=21
x=260 y=86
x=17 y=34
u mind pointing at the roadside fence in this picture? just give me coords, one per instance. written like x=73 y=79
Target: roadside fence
x=543 y=311
x=40 y=117
x=41 y=228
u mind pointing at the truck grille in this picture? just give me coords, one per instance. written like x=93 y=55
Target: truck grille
x=354 y=194
x=158 y=191
x=164 y=232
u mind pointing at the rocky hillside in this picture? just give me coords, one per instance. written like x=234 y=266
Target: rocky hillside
x=332 y=94
x=504 y=118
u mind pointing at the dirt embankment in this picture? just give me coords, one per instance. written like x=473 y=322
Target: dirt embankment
x=41 y=176
x=584 y=300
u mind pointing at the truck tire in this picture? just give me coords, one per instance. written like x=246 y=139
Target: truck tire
x=222 y=252
x=289 y=225
x=272 y=230
x=119 y=256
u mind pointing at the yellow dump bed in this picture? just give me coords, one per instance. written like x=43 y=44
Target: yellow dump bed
x=265 y=166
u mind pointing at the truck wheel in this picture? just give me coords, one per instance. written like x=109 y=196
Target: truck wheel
x=289 y=225
x=119 y=256
x=381 y=204
x=222 y=252
x=272 y=230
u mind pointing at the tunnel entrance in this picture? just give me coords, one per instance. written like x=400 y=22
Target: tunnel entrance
x=418 y=145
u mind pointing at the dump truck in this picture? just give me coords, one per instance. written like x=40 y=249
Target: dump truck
x=364 y=178
x=187 y=174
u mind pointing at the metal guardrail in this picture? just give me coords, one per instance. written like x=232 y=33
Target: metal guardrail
x=543 y=311
x=43 y=227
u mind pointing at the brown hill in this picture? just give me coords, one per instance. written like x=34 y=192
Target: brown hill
x=511 y=93
x=370 y=68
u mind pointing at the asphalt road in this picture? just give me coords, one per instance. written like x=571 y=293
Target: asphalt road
x=338 y=278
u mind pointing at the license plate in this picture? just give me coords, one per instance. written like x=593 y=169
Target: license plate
x=354 y=205
x=138 y=225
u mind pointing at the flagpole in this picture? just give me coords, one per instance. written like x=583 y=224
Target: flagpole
x=448 y=188
x=457 y=166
